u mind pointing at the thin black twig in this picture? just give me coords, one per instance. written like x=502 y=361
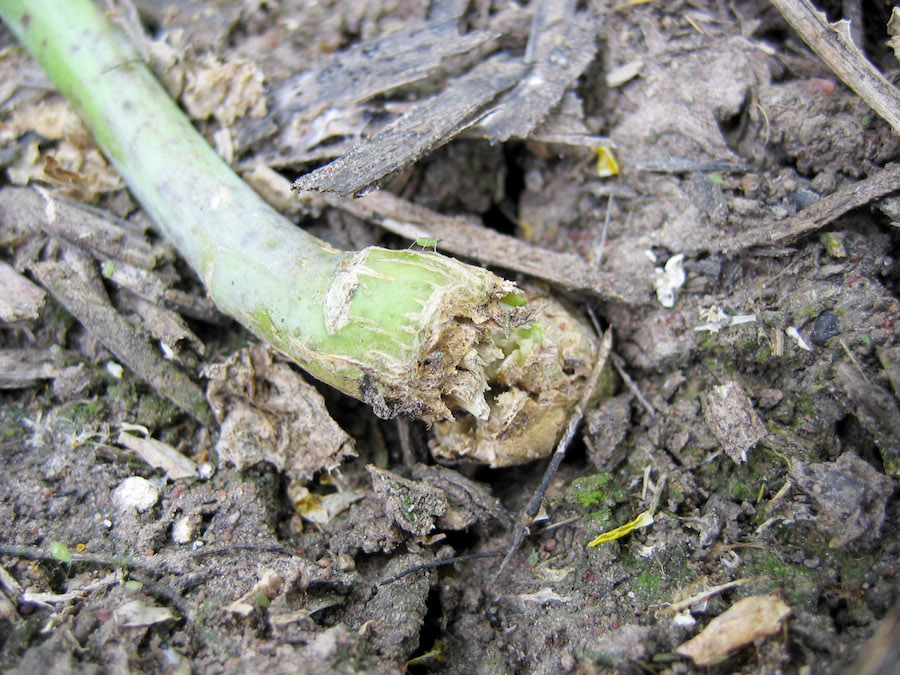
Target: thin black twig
x=440 y=563
x=605 y=232
x=128 y=562
x=225 y=549
x=619 y=363
x=526 y=518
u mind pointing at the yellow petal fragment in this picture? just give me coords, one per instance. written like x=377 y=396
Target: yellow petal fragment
x=643 y=520
x=607 y=165
x=436 y=653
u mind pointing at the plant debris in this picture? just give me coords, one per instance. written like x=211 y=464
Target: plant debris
x=732 y=419
x=414 y=506
x=136 y=614
x=419 y=131
x=161 y=455
x=268 y=413
x=20 y=300
x=562 y=45
x=767 y=394
x=645 y=519
x=225 y=91
x=850 y=497
x=96 y=313
x=746 y=621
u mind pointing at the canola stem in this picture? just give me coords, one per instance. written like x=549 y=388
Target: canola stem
x=397 y=329
x=409 y=332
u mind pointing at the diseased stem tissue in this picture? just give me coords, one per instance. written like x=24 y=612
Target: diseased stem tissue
x=411 y=333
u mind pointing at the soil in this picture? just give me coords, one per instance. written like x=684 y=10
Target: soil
x=759 y=422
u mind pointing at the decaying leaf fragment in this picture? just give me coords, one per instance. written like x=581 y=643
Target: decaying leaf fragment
x=136 y=614
x=225 y=91
x=741 y=624
x=732 y=418
x=413 y=505
x=850 y=495
x=75 y=164
x=321 y=509
x=267 y=412
x=160 y=455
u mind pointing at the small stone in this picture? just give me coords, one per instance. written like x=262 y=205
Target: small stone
x=825 y=328
x=803 y=198
x=135 y=493
x=685 y=620
x=750 y=184
x=769 y=398
x=850 y=495
x=183 y=529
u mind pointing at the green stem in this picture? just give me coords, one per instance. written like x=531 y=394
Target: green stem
x=408 y=332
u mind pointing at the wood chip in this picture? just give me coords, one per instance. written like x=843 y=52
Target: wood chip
x=111 y=329
x=468 y=238
x=177 y=340
x=564 y=47
x=88 y=228
x=879 y=184
x=21 y=368
x=834 y=45
x=127 y=258
x=426 y=126
x=20 y=300
x=372 y=67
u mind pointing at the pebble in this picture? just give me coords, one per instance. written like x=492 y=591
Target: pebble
x=803 y=198
x=135 y=493
x=825 y=328
x=183 y=529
